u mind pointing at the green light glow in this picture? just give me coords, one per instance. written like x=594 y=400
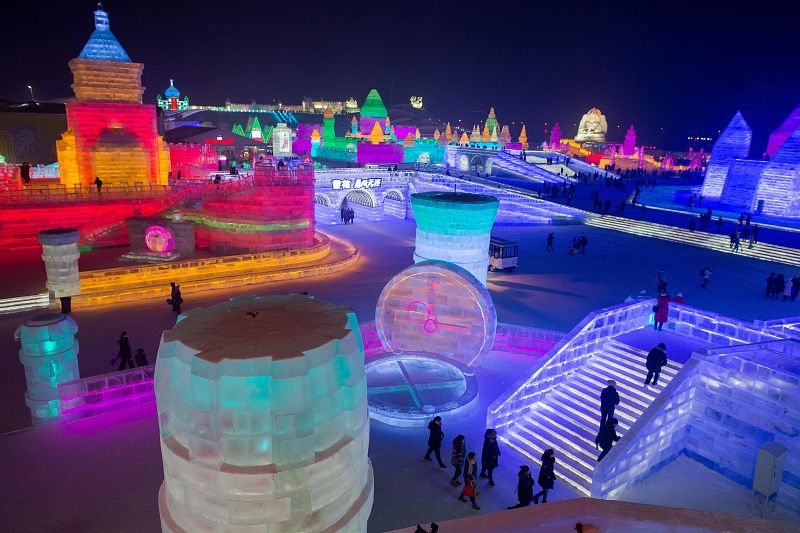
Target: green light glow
x=243 y=227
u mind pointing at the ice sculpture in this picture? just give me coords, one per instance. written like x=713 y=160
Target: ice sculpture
x=593 y=127
x=734 y=143
x=437 y=307
x=779 y=186
x=455 y=227
x=50 y=355
x=281 y=140
x=60 y=255
x=263 y=413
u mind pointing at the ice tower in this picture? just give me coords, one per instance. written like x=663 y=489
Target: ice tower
x=262 y=405
x=111 y=134
x=455 y=227
x=734 y=143
x=779 y=186
x=373 y=112
x=779 y=136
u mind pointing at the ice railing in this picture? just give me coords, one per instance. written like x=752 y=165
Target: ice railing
x=95 y=395
x=567 y=356
x=788 y=327
x=714 y=328
x=653 y=441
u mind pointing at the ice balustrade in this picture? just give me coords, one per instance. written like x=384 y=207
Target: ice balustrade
x=787 y=327
x=60 y=193
x=92 y=396
x=569 y=354
x=723 y=405
x=524 y=340
x=713 y=328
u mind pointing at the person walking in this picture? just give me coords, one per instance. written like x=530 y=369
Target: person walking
x=656 y=359
x=770 y=285
x=777 y=287
x=609 y=400
x=606 y=438
x=787 y=289
x=550 y=238
x=435 y=437
x=124 y=352
x=470 y=490
x=524 y=488
x=705 y=273
x=141 y=357
x=98 y=183
x=457 y=457
x=25 y=172
x=175 y=297
x=489 y=455
x=661 y=311
x=795 y=287
x=547 y=475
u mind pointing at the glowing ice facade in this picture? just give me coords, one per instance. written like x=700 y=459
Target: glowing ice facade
x=281 y=140
x=111 y=134
x=60 y=255
x=734 y=143
x=455 y=227
x=49 y=354
x=263 y=413
x=437 y=307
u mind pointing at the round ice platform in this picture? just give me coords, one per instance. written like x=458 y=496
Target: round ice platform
x=408 y=390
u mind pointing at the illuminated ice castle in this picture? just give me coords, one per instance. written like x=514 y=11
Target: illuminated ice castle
x=770 y=186
x=111 y=134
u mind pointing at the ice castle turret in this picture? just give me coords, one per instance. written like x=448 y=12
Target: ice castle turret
x=779 y=186
x=779 y=136
x=734 y=143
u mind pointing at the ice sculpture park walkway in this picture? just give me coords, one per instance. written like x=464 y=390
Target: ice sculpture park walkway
x=567 y=419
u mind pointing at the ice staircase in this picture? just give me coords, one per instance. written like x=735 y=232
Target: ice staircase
x=568 y=418
x=721 y=243
x=510 y=164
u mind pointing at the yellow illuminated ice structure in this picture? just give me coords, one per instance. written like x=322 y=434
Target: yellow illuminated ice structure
x=60 y=255
x=262 y=406
x=376 y=137
x=475 y=136
x=436 y=134
x=437 y=307
x=494 y=138
x=464 y=140
x=486 y=136
x=523 y=138
x=417 y=134
x=448 y=132
x=409 y=140
x=315 y=136
x=49 y=353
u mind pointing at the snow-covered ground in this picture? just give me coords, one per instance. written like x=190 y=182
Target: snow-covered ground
x=103 y=474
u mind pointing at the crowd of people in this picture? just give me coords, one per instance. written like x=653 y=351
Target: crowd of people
x=125 y=358
x=466 y=473
x=779 y=285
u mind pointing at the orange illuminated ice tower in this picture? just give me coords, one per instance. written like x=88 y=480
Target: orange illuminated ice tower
x=111 y=134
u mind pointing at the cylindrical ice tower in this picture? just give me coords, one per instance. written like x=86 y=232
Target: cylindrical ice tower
x=262 y=405
x=455 y=227
x=50 y=355
x=60 y=255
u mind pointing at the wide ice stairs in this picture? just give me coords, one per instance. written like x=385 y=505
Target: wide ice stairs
x=568 y=418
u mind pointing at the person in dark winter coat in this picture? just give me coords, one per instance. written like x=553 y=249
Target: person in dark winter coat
x=141 y=357
x=606 y=438
x=470 y=490
x=770 y=285
x=457 y=457
x=656 y=358
x=524 y=488
x=435 y=440
x=124 y=353
x=661 y=313
x=175 y=297
x=609 y=400
x=547 y=475
x=489 y=454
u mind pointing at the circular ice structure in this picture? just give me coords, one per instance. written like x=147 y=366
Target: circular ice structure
x=437 y=307
x=159 y=239
x=455 y=227
x=262 y=407
x=60 y=255
x=407 y=390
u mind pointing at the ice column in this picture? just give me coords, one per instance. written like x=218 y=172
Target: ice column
x=262 y=406
x=60 y=255
x=455 y=227
x=49 y=354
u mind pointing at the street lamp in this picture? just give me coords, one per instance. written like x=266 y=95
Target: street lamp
x=31 y=90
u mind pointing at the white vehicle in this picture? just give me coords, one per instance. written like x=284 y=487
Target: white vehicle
x=503 y=254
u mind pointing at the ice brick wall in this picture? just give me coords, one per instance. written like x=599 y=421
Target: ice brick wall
x=263 y=414
x=455 y=227
x=742 y=183
x=734 y=143
x=780 y=182
x=60 y=255
x=49 y=353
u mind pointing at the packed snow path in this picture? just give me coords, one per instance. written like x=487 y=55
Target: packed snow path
x=569 y=418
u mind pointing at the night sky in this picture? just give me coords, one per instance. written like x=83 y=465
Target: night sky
x=685 y=68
